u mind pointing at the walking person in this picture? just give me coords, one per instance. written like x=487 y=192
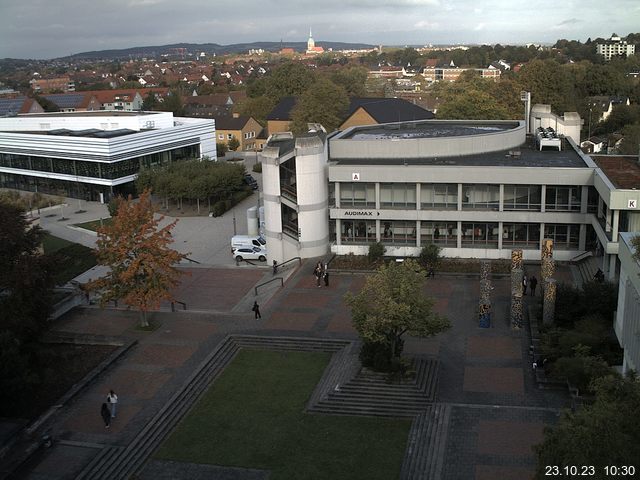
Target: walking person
x=275 y=267
x=318 y=273
x=325 y=275
x=256 y=310
x=112 y=400
x=524 y=285
x=106 y=415
x=533 y=283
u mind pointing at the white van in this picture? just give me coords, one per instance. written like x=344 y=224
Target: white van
x=239 y=241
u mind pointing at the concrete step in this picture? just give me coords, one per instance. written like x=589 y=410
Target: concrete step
x=390 y=402
x=365 y=411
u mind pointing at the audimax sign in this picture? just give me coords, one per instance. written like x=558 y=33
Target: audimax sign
x=361 y=213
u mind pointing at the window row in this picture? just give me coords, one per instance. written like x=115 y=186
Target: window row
x=444 y=196
x=445 y=234
x=82 y=168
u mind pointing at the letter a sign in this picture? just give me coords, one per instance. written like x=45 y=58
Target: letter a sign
x=355 y=177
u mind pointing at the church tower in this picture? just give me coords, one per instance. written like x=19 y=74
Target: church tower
x=310 y=43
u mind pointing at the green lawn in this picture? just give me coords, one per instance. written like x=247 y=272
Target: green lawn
x=71 y=259
x=253 y=417
x=93 y=225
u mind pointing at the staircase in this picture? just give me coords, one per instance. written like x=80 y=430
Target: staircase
x=424 y=456
x=122 y=462
x=370 y=393
x=587 y=268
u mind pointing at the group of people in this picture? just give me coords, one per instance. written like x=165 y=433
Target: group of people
x=108 y=409
x=531 y=283
x=321 y=272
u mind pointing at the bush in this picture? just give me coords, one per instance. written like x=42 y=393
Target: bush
x=218 y=208
x=580 y=370
x=376 y=252
x=221 y=149
x=114 y=204
x=430 y=256
x=257 y=167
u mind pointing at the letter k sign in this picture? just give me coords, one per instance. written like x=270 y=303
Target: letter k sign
x=632 y=204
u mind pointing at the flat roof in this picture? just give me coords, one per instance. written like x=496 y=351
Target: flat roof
x=529 y=156
x=622 y=170
x=89 y=132
x=426 y=130
x=91 y=113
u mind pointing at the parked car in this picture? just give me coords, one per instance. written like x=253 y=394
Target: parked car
x=250 y=181
x=250 y=253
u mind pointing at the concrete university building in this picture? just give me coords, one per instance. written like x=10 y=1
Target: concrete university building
x=95 y=155
x=478 y=189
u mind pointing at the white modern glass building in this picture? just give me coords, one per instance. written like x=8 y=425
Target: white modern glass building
x=94 y=155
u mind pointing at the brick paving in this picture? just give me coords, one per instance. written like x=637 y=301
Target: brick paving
x=497 y=410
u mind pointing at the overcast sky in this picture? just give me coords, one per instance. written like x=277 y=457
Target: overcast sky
x=54 y=28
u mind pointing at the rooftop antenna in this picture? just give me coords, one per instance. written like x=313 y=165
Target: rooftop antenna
x=526 y=98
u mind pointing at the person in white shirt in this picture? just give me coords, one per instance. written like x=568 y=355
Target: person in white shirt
x=112 y=400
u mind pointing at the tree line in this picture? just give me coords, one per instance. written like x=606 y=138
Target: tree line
x=219 y=184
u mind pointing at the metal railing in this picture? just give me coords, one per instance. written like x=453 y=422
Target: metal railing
x=173 y=305
x=267 y=282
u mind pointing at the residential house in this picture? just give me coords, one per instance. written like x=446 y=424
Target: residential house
x=593 y=145
x=74 y=102
x=210 y=106
x=451 y=73
x=244 y=129
x=600 y=107
x=16 y=105
x=125 y=100
x=57 y=84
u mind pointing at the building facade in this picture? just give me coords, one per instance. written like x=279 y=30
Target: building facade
x=627 y=320
x=615 y=47
x=477 y=189
x=95 y=155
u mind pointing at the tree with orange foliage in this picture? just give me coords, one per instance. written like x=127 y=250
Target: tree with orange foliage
x=142 y=266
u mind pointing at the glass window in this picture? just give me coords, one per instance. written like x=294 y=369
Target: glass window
x=42 y=164
x=398 y=232
x=398 y=195
x=358 y=232
x=440 y=233
x=439 y=196
x=356 y=194
x=524 y=235
x=480 y=197
x=565 y=237
x=563 y=198
x=62 y=165
x=480 y=235
x=522 y=197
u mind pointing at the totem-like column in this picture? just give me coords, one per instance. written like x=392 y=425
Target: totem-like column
x=485 y=269
x=484 y=306
x=517 y=311
x=549 y=301
x=516 y=259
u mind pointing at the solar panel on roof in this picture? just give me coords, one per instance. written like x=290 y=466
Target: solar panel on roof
x=71 y=100
x=10 y=105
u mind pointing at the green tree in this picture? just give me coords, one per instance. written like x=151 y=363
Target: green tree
x=430 y=256
x=150 y=102
x=288 y=79
x=549 y=83
x=392 y=303
x=142 y=266
x=233 y=144
x=26 y=284
x=221 y=149
x=473 y=105
x=631 y=141
x=256 y=107
x=172 y=103
x=352 y=79
x=324 y=102
x=602 y=434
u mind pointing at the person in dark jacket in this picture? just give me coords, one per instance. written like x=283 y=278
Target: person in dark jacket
x=533 y=283
x=106 y=415
x=256 y=310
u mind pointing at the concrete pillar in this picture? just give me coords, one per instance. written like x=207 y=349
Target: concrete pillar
x=582 y=238
x=500 y=227
x=584 y=199
x=418 y=236
x=615 y=224
x=459 y=198
x=377 y=197
x=418 y=196
x=501 y=199
x=611 y=274
x=459 y=239
x=336 y=192
x=377 y=226
x=543 y=198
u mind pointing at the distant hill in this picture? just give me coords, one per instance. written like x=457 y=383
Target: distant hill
x=208 y=48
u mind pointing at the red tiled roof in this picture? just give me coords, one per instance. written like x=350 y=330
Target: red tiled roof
x=623 y=171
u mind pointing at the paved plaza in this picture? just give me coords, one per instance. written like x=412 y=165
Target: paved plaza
x=497 y=411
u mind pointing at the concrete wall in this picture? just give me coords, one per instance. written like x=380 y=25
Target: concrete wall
x=627 y=319
x=432 y=146
x=568 y=125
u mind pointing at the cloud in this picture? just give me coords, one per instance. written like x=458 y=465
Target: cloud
x=424 y=24
x=478 y=27
x=569 y=21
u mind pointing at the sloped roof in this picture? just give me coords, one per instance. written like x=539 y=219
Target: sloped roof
x=13 y=106
x=282 y=111
x=388 y=110
x=231 y=123
x=70 y=100
x=382 y=110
